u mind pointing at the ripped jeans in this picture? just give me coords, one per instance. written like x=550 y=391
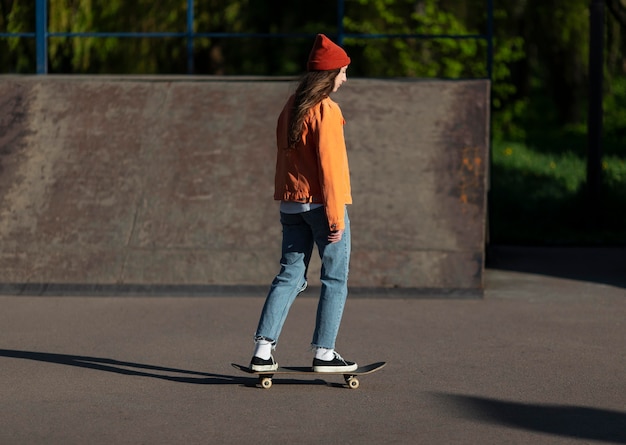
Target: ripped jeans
x=300 y=232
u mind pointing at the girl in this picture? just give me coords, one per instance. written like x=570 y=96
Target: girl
x=313 y=184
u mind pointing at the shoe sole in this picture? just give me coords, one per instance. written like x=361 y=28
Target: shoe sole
x=322 y=369
x=264 y=368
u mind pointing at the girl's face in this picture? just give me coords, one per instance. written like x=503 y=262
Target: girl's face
x=341 y=78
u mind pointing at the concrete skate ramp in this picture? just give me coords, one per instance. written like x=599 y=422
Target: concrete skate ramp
x=147 y=183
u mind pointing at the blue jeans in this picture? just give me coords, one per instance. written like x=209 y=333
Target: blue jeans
x=300 y=232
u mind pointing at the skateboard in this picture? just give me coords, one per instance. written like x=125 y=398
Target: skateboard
x=265 y=377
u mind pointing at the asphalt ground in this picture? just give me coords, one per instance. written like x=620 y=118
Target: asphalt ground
x=541 y=359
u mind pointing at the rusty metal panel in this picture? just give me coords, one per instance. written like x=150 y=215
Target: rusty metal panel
x=418 y=153
x=169 y=181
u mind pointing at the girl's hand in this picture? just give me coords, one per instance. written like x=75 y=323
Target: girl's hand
x=335 y=236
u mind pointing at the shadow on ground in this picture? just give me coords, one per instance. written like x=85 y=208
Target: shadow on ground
x=604 y=265
x=126 y=368
x=562 y=420
x=151 y=371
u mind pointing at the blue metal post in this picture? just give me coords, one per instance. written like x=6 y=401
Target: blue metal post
x=595 y=109
x=190 y=65
x=490 y=145
x=340 y=14
x=41 y=36
x=489 y=38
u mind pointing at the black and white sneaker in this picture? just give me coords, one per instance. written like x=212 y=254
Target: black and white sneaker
x=303 y=288
x=338 y=364
x=257 y=364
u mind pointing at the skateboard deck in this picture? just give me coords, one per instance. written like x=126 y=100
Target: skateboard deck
x=265 y=377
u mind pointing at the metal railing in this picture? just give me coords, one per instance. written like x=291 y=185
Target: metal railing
x=41 y=35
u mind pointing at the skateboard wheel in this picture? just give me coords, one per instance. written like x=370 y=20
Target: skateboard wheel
x=266 y=383
x=353 y=383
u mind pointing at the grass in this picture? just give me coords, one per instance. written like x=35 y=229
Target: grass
x=538 y=196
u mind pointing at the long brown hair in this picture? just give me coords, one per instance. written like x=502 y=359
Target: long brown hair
x=312 y=89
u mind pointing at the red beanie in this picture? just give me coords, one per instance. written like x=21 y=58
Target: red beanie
x=326 y=55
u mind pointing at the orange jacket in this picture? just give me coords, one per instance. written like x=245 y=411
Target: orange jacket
x=317 y=169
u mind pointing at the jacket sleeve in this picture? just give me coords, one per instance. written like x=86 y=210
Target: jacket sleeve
x=332 y=159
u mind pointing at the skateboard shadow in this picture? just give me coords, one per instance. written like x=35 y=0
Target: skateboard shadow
x=561 y=420
x=127 y=368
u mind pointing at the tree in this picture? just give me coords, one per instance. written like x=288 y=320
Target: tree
x=540 y=51
x=17 y=54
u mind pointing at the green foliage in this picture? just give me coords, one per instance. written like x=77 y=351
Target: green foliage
x=539 y=197
x=114 y=55
x=411 y=57
x=448 y=58
x=17 y=54
x=615 y=113
x=211 y=55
